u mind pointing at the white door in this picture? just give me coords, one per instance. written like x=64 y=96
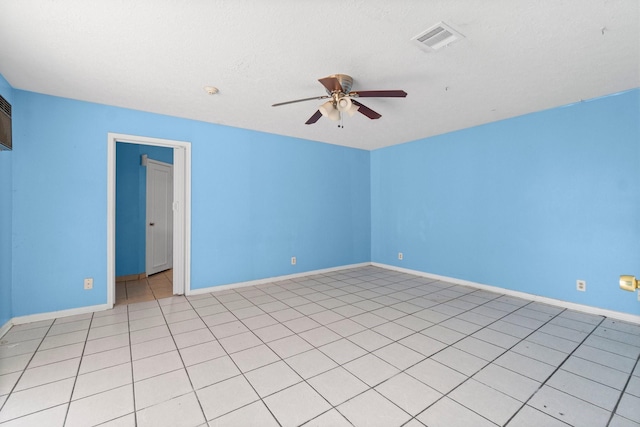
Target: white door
x=159 y=251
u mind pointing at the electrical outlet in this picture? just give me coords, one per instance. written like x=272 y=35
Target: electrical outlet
x=293 y=260
x=400 y=256
x=581 y=285
x=638 y=295
x=88 y=283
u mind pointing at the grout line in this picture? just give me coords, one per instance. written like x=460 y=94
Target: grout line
x=468 y=377
x=407 y=314
x=184 y=366
x=367 y=352
x=543 y=383
x=305 y=380
x=75 y=380
x=339 y=282
x=235 y=364
x=147 y=287
x=25 y=370
x=624 y=389
x=133 y=380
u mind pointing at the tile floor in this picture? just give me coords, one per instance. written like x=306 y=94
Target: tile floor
x=361 y=347
x=156 y=286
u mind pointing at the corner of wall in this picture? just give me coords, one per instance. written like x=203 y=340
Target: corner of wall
x=6 y=214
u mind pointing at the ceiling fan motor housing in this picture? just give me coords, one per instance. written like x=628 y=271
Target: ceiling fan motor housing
x=345 y=81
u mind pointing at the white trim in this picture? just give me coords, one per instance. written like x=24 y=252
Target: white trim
x=182 y=219
x=5 y=328
x=94 y=308
x=274 y=279
x=51 y=315
x=182 y=211
x=627 y=317
x=111 y=220
x=564 y=304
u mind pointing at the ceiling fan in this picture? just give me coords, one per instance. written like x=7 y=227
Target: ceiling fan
x=342 y=100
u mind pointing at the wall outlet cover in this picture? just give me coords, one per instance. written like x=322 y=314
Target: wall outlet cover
x=581 y=285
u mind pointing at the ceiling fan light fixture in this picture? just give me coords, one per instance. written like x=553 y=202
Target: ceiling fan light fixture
x=344 y=104
x=326 y=108
x=329 y=110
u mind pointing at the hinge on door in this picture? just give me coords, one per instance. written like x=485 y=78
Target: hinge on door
x=175 y=206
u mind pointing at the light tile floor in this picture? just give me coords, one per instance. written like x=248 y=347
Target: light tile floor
x=156 y=286
x=362 y=347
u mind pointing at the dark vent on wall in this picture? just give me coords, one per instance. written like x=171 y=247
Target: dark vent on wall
x=5 y=125
x=438 y=36
x=5 y=107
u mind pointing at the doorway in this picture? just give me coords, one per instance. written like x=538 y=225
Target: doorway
x=181 y=221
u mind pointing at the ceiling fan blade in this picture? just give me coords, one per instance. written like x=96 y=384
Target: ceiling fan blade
x=332 y=84
x=378 y=94
x=300 y=100
x=313 y=118
x=366 y=110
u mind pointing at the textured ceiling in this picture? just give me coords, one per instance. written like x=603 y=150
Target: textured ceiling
x=517 y=57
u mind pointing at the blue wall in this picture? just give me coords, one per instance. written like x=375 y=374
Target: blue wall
x=268 y=198
x=257 y=200
x=131 y=208
x=6 y=158
x=530 y=204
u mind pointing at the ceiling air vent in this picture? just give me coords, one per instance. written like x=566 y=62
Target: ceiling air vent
x=438 y=36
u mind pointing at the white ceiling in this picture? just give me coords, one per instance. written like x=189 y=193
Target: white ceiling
x=517 y=57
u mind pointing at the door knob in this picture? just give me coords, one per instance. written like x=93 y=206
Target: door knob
x=629 y=283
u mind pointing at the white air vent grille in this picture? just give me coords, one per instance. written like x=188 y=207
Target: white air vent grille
x=438 y=36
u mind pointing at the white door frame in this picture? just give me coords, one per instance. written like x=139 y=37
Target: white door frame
x=181 y=210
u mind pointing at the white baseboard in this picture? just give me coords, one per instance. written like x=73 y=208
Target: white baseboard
x=551 y=301
x=273 y=279
x=50 y=316
x=82 y=310
x=5 y=328
x=55 y=314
